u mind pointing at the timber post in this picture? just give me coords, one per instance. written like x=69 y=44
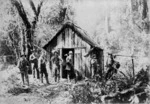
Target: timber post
x=133 y=67
x=61 y=67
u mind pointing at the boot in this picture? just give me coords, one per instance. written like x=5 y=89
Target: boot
x=68 y=79
x=27 y=78
x=33 y=73
x=41 y=79
x=58 y=78
x=22 y=76
x=47 y=81
x=38 y=74
x=55 y=78
x=28 y=81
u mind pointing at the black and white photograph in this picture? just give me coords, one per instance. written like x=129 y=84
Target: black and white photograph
x=74 y=51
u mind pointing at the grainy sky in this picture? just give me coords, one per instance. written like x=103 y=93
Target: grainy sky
x=90 y=12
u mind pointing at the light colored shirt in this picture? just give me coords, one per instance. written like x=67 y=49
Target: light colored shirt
x=32 y=56
x=56 y=60
x=41 y=60
x=69 y=59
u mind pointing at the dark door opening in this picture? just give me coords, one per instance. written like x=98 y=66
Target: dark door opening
x=65 y=52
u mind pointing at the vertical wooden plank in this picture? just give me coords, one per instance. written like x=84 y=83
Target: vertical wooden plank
x=81 y=42
x=88 y=70
x=69 y=37
x=72 y=38
x=63 y=38
x=81 y=56
x=67 y=33
x=57 y=39
x=76 y=41
x=76 y=61
x=61 y=68
x=59 y=42
x=65 y=45
x=75 y=38
x=79 y=60
x=83 y=61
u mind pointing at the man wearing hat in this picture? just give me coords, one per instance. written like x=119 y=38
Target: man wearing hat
x=34 y=61
x=93 y=64
x=56 y=65
x=112 y=66
x=23 y=65
x=42 y=67
x=69 y=65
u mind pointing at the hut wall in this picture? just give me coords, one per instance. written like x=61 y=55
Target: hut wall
x=70 y=39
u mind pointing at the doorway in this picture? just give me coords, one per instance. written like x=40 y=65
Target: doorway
x=65 y=52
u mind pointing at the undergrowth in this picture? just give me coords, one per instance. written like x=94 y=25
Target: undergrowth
x=123 y=88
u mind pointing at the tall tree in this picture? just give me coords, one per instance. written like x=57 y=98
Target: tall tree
x=30 y=26
x=140 y=14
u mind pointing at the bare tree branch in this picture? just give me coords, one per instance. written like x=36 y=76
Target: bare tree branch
x=21 y=12
x=33 y=6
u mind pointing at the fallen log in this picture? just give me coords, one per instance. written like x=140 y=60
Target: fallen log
x=125 y=94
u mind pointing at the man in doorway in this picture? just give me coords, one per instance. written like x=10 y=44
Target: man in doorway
x=93 y=64
x=56 y=65
x=34 y=60
x=42 y=67
x=69 y=65
x=23 y=65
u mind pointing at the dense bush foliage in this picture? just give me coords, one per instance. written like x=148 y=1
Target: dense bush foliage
x=123 y=89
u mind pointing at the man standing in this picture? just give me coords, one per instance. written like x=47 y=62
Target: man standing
x=69 y=65
x=111 y=67
x=23 y=65
x=34 y=60
x=56 y=66
x=42 y=68
x=93 y=64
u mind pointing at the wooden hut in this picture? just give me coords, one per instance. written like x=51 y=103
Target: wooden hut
x=71 y=37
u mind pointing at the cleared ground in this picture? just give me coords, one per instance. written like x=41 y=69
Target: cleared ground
x=12 y=92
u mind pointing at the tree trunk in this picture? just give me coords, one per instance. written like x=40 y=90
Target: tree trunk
x=29 y=43
x=141 y=7
x=14 y=47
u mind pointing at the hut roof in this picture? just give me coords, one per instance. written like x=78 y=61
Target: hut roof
x=82 y=34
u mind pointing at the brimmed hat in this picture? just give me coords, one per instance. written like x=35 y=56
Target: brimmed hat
x=55 y=51
x=22 y=55
x=94 y=55
x=70 y=52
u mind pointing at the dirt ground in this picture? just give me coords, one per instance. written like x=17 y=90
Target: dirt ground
x=12 y=92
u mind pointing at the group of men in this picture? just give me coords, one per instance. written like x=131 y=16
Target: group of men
x=56 y=61
x=39 y=66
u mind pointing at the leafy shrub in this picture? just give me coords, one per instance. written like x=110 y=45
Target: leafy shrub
x=82 y=94
x=18 y=90
x=125 y=88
